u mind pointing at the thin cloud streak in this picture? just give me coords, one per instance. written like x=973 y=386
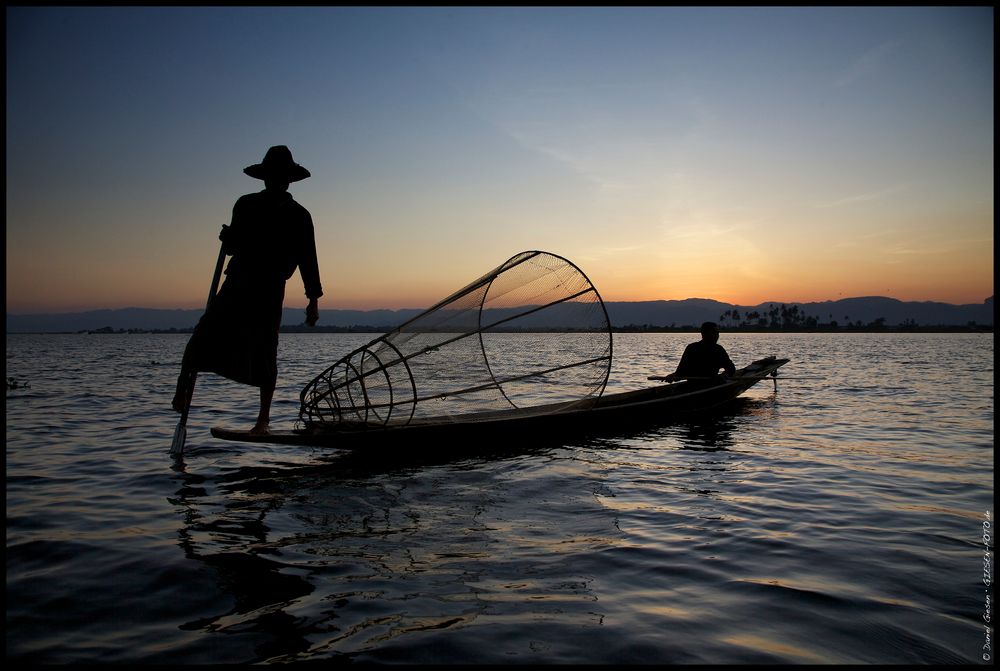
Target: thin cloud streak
x=868 y=65
x=864 y=197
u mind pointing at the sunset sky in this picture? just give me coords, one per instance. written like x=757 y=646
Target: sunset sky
x=745 y=155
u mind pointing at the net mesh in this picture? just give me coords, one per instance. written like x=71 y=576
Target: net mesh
x=476 y=353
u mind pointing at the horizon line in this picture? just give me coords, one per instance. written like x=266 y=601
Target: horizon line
x=396 y=309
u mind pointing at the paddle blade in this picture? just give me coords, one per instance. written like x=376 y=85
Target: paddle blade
x=180 y=434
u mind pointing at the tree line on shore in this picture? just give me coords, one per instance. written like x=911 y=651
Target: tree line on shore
x=794 y=319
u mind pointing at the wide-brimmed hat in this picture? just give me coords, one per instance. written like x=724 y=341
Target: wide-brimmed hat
x=277 y=163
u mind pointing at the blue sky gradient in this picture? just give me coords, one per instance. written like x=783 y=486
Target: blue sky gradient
x=740 y=154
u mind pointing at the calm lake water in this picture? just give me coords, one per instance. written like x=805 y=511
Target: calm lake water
x=837 y=520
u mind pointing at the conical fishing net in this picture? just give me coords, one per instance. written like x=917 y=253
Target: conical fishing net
x=531 y=335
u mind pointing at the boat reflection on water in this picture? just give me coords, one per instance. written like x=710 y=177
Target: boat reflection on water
x=716 y=431
x=345 y=554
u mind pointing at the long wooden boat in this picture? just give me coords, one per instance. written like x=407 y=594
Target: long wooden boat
x=662 y=402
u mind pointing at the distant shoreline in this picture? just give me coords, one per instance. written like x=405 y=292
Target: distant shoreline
x=847 y=315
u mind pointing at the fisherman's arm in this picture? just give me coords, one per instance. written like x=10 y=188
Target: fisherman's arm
x=682 y=367
x=309 y=270
x=726 y=362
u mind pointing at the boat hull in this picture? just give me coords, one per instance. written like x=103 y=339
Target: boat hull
x=613 y=411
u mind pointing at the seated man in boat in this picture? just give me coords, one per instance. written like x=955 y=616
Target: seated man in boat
x=704 y=358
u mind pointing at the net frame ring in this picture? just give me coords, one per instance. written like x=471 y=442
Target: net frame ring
x=522 y=258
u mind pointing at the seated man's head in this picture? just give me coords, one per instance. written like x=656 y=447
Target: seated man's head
x=710 y=332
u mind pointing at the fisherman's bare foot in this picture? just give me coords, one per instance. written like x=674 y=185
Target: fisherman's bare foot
x=260 y=429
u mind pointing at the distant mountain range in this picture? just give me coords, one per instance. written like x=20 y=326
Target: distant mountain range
x=680 y=313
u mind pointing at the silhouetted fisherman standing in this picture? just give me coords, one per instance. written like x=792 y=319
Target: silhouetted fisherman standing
x=270 y=236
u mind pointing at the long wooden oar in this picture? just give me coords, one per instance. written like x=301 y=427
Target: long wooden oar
x=180 y=433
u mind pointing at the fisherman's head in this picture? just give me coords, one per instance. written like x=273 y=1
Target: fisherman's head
x=278 y=169
x=276 y=184
x=710 y=332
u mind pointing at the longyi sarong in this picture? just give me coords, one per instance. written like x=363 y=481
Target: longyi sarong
x=237 y=337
